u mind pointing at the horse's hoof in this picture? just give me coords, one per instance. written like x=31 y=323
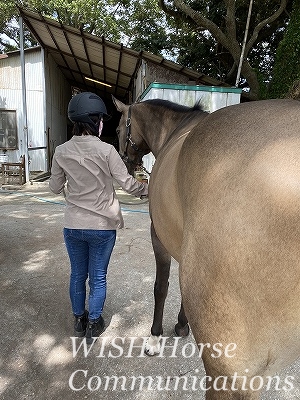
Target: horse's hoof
x=152 y=346
x=182 y=331
x=150 y=352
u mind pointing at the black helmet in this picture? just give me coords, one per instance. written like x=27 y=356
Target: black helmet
x=84 y=105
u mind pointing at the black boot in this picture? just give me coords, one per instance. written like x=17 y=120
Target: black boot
x=94 y=329
x=80 y=324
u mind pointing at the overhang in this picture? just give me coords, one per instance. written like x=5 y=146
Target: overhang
x=83 y=57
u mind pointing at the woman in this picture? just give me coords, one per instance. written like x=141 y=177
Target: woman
x=92 y=213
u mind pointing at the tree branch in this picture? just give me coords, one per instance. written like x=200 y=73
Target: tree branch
x=232 y=73
x=203 y=22
x=168 y=10
x=262 y=24
x=230 y=18
x=178 y=14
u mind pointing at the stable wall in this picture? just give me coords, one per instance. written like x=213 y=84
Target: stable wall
x=11 y=99
x=47 y=97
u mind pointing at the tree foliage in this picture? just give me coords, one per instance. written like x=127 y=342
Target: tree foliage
x=286 y=75
x=222 y=24
x=205 y=35
x=138 y=24
x=143 y=25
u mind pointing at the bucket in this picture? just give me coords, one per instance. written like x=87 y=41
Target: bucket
x=3 y=158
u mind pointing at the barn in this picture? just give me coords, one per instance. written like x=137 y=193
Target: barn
x=36 y=85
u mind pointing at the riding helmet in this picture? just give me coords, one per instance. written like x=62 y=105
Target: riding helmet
x=84 y=105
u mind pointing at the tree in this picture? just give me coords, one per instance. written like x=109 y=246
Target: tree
x=7 y=14
x=138 y=24
x=205 y=35
x=286 y=75
x=146 y=27
x=225 y=21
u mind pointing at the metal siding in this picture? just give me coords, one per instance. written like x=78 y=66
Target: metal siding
x=210 y=98
x=47 y=94
x=11 y=98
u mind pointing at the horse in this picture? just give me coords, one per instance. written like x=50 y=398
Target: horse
x=224 y=201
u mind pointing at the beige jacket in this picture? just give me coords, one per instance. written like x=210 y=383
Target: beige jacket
x=89 y=165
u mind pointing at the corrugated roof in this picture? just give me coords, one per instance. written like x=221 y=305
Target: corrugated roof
x=80 y=55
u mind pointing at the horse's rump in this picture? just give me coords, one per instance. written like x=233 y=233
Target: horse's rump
x=240 y=260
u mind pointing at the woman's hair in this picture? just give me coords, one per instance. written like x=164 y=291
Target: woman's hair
x=84 y=128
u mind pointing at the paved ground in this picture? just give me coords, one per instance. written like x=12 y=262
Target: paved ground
x=38 y=359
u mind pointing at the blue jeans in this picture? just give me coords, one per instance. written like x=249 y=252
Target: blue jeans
x=89 y=252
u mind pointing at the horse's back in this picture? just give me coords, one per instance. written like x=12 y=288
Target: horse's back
x=240 y=258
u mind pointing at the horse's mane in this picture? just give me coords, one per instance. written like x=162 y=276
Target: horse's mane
x=174 y=106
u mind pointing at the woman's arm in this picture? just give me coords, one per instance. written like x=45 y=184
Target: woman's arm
x=57 y=178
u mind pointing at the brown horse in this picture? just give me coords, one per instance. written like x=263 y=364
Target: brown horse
x=225 y=203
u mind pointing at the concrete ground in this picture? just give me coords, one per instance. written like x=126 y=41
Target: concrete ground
x=38 y=358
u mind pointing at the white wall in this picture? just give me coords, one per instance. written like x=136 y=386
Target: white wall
x=11 y=99
x=211 y=98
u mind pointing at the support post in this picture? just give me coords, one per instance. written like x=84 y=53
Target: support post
x=244 y=44
x=24 y=143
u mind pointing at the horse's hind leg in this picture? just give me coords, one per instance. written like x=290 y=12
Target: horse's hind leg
x=163 y=262
x=231 y=395
x=182 y=326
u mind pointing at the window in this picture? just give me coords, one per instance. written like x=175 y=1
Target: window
x=8 y=130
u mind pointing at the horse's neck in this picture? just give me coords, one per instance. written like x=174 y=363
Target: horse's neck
x=169 y=130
